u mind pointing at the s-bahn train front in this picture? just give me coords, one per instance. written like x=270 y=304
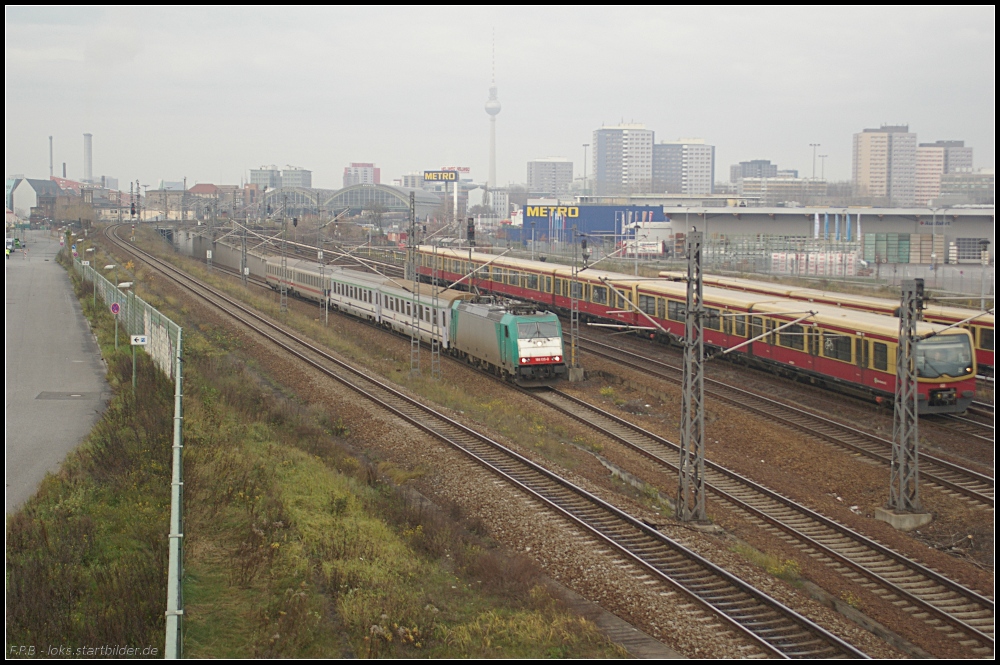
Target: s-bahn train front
x=946 y=372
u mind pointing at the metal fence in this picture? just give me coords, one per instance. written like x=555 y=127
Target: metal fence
x=163 y=345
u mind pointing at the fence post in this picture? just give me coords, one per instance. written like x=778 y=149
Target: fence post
x=175 y=602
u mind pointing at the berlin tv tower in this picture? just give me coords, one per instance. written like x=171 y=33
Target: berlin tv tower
x=493 y=108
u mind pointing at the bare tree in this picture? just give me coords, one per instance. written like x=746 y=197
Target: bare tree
x=374 y=214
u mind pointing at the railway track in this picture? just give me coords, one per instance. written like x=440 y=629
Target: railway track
x=734 y=606
x=924 y=594
x=952 y=478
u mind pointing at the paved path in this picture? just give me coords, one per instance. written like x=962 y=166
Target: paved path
x=55 y=375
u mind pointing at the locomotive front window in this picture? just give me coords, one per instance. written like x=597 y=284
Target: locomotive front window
x=943 y=355
x=537 y=329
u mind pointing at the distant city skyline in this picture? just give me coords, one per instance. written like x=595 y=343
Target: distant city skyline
x=168 y=94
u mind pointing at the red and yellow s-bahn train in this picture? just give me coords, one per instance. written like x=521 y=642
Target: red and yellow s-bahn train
x=847 y=350
x=981 y=327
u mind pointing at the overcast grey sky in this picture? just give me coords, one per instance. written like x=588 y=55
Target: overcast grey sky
x=209 y=93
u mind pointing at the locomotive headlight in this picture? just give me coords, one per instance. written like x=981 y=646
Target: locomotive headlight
x=557 y=358
x=524 y=360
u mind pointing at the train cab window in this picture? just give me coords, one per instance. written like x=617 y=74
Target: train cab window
x=531 y=282
x=647 y=304
x=712 y=319
x=600 y=295
x=880 y=355
x=793 y=337
x=675 y=310
x=837 y=346
x=986 y=339
x=861 y=352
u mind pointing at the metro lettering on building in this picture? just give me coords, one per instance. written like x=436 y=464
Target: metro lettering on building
x=545 y=211
x=441 y=176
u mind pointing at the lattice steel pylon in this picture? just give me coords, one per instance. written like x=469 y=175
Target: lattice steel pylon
x=691 y=481
x=412 y=267
x=244 y=268
x=575 y=291
x=904 y=469
x=283 y=280
x=435 y=324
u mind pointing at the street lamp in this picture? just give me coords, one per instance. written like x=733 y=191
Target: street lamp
x=822 y=167
x=814 y=146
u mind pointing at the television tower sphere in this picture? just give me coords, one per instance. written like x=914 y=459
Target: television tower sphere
x=493 y=104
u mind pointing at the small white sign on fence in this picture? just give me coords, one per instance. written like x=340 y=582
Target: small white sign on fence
x=139 y=340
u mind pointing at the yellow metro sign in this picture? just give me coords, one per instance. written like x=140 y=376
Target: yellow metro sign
x=441 y=176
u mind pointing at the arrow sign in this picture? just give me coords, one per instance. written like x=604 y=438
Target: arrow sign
x=139 y=340
x=115 y=308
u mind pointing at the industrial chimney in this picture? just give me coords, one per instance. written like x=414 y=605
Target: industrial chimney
x=51 y=172
x=88 y=158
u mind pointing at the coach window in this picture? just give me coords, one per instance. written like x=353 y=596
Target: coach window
x=532 y=282
x=647 y=304
x=409 y=312
x=675 y=310
x=577 y=289
x=497 y=274
x=727 y=325
x=880 y=355
x=986 y=339
x=837 y=346
x=661 y=308
x=861 y=351
x=756 y=326
x=712 y=320
x=600 y=295
x=514 y=278
x=548 y=284
x=793 y=337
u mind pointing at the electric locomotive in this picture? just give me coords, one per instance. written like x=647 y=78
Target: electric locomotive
x=509 y=338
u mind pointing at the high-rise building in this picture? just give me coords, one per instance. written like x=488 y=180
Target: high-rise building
x=623 y=159
x=266 y=177
x=294 y=176
x=936 y=159
x=930 y=167
x=414 y=180
x=884 y=166
x=684 y=166
x=755 y=168
x=957 y=156
x=550 y=175
x=362 y=173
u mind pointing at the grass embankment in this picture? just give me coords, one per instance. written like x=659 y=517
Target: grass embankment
x=294 y=547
